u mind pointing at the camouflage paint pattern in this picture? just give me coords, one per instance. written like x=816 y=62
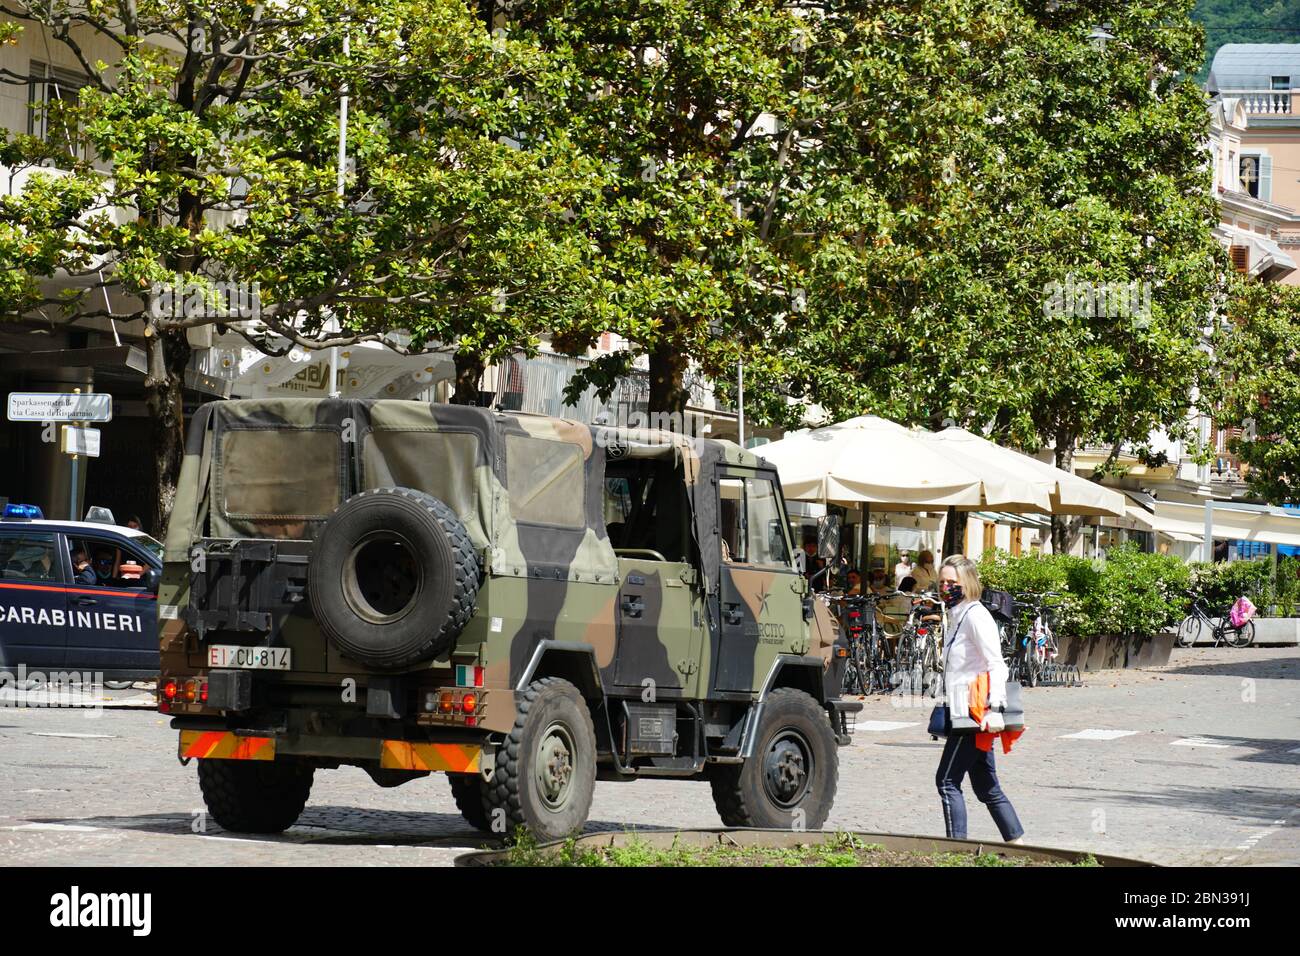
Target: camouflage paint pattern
x=543 y=582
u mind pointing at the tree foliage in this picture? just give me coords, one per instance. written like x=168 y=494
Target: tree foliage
x=1259 y=386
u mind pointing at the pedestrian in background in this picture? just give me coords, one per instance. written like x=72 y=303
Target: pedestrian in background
x=972 y=649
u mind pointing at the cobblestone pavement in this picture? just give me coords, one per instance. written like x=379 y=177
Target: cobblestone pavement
x=1197 y=762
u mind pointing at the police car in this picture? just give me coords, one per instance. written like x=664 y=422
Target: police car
x=77 y=596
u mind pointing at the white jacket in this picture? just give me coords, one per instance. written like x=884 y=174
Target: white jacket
x=973 y=648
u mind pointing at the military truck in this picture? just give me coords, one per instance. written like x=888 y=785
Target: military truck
x=523 y=603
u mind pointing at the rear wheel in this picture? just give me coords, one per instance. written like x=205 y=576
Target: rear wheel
x=1240 y=636
x=790 y=781
x=467 y=789
x=255 y=796
x=545 y=772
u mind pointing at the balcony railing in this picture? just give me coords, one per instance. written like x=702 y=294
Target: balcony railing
x=1266 y=102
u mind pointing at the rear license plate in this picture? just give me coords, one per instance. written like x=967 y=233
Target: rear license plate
x=250 y=658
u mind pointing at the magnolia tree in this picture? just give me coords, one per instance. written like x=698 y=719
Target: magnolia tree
x=211 y=159
x=1020 y=222
x=1258 y=391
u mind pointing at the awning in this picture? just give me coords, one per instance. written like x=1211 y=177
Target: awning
x=1159 y=525
x=1015 y=520
x=1054 y=491
x=870 y=461
x=1185 y=521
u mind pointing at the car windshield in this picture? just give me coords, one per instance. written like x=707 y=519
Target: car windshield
x=149 y=544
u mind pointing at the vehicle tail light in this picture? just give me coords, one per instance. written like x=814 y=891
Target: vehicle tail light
x=191 y=691
x=444 y=703
x=169 y=690
x=203 y=692
x=468 y=703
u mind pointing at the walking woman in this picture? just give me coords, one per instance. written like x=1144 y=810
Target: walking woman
x=972 y=648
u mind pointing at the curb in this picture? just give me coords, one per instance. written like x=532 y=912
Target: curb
x=743 y=837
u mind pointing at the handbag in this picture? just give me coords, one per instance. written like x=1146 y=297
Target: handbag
x=940 y=723
x=1013 y=714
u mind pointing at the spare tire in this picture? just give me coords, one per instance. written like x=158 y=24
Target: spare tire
x=393 y=577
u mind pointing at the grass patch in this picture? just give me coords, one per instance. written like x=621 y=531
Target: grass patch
x=836 y=850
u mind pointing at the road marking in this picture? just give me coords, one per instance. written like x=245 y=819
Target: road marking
x=1092 y=734
x=1205 y=742
x=883 y=725
x=77 y=736
x=55 y=826
x=1296 y=751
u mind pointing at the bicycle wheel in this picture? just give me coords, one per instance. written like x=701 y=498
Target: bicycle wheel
x=1240 y=636
x=1033 y=666
x=1189 y=631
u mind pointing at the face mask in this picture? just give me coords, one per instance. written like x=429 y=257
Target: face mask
x=951 y=593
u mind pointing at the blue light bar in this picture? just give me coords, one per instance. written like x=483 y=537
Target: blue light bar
x=23 y=512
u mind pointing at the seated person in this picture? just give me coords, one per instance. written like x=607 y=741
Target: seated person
x=855 y=582
x=105 y=565
x=877 y=582
x=901 y=606
x=82 y=572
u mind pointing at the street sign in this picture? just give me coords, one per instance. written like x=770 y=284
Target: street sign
x=80 y=441
x=60 y=407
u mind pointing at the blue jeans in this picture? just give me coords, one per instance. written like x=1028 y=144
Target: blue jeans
x=960 y=757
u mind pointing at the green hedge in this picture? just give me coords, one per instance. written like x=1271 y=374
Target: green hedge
x=1222 y=583
x=1131 y=593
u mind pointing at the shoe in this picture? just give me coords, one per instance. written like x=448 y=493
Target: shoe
x=1018 y=840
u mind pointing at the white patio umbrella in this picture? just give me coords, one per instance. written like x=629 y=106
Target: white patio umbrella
x=1064 y=493
x=872 y=461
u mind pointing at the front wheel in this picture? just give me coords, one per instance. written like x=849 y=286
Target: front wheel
x=545 y=772
x=1189 y=631
x=789 y=782
x=255 y=796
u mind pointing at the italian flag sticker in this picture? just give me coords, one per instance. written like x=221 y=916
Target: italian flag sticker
x=467 y=675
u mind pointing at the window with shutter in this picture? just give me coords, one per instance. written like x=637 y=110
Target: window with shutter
x=1240 y=258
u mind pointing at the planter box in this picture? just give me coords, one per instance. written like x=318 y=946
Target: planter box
x=1112 y=652
x=1269 y=631
x=1150 y=651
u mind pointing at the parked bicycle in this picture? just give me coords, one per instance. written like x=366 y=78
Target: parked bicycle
x=920 y=648
x=1220 y=626
x=1038 y=648
x=870 y=664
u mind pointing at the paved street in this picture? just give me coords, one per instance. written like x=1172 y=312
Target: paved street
x=1194 y=763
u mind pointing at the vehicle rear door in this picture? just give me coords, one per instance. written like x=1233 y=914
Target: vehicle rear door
x=112 y=624
x=33 y=617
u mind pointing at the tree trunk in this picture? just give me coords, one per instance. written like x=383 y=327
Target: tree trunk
x=667 y=373
x=469 y=372
x=1064 y=530
x=954 y=533
x=169 y=356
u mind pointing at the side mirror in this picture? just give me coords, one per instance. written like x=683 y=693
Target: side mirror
x=152 y=578
x=828 y=537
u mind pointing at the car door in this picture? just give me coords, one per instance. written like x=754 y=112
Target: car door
x=761 y=593
x=112 y=624
x=33 y=617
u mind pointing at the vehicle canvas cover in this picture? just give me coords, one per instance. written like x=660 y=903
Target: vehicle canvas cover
x=529 y=489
